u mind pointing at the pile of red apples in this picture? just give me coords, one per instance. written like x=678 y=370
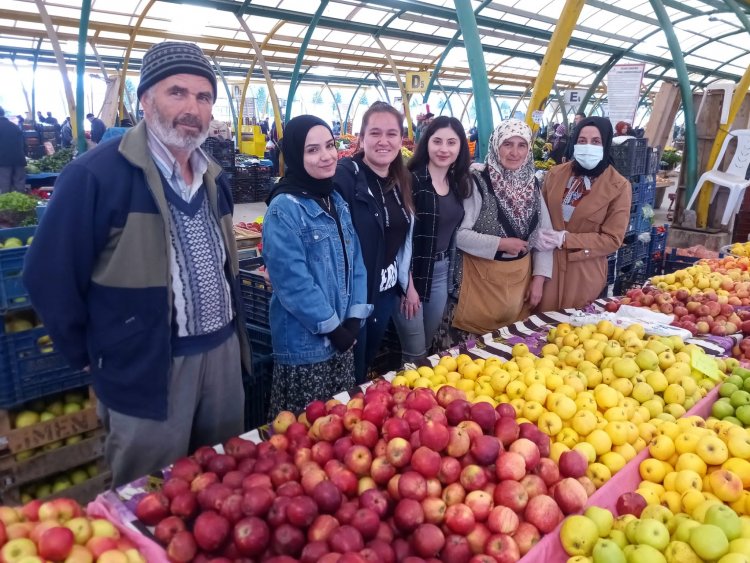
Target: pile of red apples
x=702 y=313
x=394 y=475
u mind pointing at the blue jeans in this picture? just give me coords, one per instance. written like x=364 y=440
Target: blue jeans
x=371 y=334
x=416 y=334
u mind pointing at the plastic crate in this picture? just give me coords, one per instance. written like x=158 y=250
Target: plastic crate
x=13 y=294
x=34 y=368
x=258 y=391
x=658 y=242
x=654 y=159
x=251 y=183
x=647 y=190
x=629 y=158
x=256 y=292
x=634 y=275
x=260 y=338
x=611 y=265
x=674 y=261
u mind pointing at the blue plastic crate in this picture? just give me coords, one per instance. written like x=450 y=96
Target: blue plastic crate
x=33 y=368
x=674 y=262
x=658 y=243
x=648 y=192
x=13 y=294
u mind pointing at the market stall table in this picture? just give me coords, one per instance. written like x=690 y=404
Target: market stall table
x=42 y=180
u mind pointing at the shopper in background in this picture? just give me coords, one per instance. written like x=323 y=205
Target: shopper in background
x=314 y=263
x=66 y=134
x=589 y=203
x=500 y=280
x=12 y=157
x=97 y=128
x=146 y=291
x=559 y=143
x=377 y=186
x=440 y=183
x=50 y=119
x=20 y=121
x=40 y=118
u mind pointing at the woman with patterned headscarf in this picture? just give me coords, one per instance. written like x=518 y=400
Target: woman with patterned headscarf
x=501 y=277
x=589 y=204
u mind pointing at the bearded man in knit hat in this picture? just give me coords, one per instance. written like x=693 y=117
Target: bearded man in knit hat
x=134 y=273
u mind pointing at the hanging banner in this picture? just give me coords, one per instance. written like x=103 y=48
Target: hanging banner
x=624 y=91
x=416 y=82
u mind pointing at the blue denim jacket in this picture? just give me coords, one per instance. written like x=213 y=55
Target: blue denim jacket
x=305 y=263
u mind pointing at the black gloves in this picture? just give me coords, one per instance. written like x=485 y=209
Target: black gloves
x=341 y=338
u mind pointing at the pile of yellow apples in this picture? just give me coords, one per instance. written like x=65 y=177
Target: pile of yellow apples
x=693 y=503
x=601 y=390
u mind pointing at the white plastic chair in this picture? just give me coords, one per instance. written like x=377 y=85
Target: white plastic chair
x=733 y=177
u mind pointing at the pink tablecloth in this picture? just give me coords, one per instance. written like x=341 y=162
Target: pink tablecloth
x=550 y=550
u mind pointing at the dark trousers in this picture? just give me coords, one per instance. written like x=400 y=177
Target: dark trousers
x=371 y=334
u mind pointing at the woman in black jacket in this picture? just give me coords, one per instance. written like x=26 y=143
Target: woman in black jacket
x=440 y=180
x=377 y=186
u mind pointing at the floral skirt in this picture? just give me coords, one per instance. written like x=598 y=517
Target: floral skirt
x=294 y=387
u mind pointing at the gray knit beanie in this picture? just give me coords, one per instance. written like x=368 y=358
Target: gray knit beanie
x=173 y=57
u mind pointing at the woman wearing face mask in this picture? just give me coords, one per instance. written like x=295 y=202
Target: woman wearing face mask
x=314 y=263
x=501 y=276
x=589 y=203
x=377 y=186
x=440 y=180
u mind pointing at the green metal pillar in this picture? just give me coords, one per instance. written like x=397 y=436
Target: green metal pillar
x=446 y=50
x=351 y=103
x=691 y=138
x=293 y=82
x=83 y=28
x=237 y=137
x=447 y=100
x=468 y=24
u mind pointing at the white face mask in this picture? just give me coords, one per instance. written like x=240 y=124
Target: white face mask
x=588 y=156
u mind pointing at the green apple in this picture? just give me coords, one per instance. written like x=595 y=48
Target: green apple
x=728 y=388
x=746 y=385
x=646 y=554
x=680 y=552
x=621 y=522
x=722 y=408
x=675 y=521
x=725 y=518
x=652 y=532
x=734 y=558
x=657 y=512
x=602 y=517
x=78 y=476
x=61 y=484
x=631 y=529
x=745 y=526
x=682 y=533
x=44 y=490
x=70 y=408
x=607 y=551
x=739 y=398
x=708 y=541
x=743 y=414
x=578 y=535
x=734 y=379
x=26 y=418
x=618 y=536
x=740 y=545
x=734 y=420
x=56 y=408
x=45 y=416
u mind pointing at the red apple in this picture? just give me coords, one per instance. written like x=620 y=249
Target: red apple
x=511 y=494
x=288 y=540
x=484 y=415
x=408 y=514
x=481 y=504
x=327 y=496
x=365 y=433
x=56 y=543
x=184 y=504
x=434 y=435
x=528 y=450
x=630 y=503
x=428 y=540
x=548 y=471
x=459 y=442
x=168 y=528
x=186 y=468
x=152 y=508
x=322 y=528
x=542 y=511
x=256 y=501
x=398 y=452
x=456 y=549
x=426 y=461
x=502 y=548
x=367 y=522
x=251 y=536
x=345 y=539
x=459 y=519
x=485 y=449
x=210 y=530
x=434 y=510
x=526 y=536
x=182 y=548
x=510 y=465
x=450 y=470
x=376 y=500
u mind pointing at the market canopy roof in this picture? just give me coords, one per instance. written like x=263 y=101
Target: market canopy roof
x=343 y=48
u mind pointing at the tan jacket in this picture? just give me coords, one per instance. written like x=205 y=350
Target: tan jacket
x=595 y=230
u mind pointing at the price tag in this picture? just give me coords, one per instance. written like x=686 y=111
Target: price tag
x=536 y=116
x=705 y=364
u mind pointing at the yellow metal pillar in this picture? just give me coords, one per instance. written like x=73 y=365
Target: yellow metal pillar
x=704 y=199
x=126 y=59
x=551 y=62
x=401 y=87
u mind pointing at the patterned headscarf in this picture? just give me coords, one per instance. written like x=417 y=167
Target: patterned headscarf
x=560 y=132
x=515 y=189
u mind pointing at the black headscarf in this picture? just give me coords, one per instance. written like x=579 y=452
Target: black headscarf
x=605 y=130
x=296 y=180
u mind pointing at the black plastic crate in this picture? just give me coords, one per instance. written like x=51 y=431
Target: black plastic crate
x=256 y=292
x=258 y=391
x=260 y=338
x=654 y=159
x=630 y=157
x=629 y=277
x=611 y=265
x=674 y=262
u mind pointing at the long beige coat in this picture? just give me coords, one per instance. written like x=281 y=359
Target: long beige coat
x=595 y=230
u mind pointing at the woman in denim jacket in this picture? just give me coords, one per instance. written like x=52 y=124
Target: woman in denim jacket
x=377 y=186
x=314 y=263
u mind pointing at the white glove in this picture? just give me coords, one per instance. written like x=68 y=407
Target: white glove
x=549 y=239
